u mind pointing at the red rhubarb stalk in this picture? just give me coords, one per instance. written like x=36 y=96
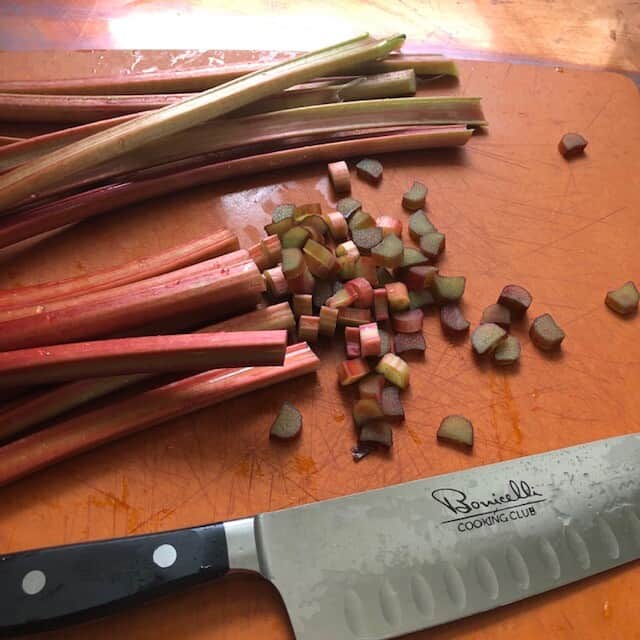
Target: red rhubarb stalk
x=44 y=405
x=132 y=305
x=46 y=217
x=211 y=246
x=143 y=410
x=172 y=81
x=148 y=354
x=241 y=256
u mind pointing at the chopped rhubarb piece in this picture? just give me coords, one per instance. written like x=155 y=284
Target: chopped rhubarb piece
x=295 y=238
x=486 y=338
x=497 y=314
x=308 y=328
x=412 y=258
x=352 y=342
x=361 y=220
x=371 y=387
x=347 y=267
x=338 y=227
x=322 y=291
x=389 y=224
x=419 y=299
x=309 y=208
x=432 y=244
x=366 y=268
x=409 y=342
x=366 y=239
x=293 y=264
x=380 y=305
x=623 y=300
x=350 y=371
x=516 y=298
x=420 y=225
x=384 y=276
x=267 y=253
x=302 y=305
x=279 y=228
x=352 y=317
x=397 y=296
x=347 y=248
x=304 y=283
x=365 y=410
x=452 y=319
x=288 y=423
x=328 y=320
x=369 y=340
x=418 y=278
x=389 y=252
x=391 y=404
x=507 y=352
x=369 y=170
x=572 y=144
x=277 y=286
x=282 y=212
x=545 y=333
x=395 y=370
x=379 y=432
x=407 y=321
x=414 y=198
x=448 y=288
x=363 y=292
x=320 y=260
x=339 y=176
x=348 y=206
x=343 y=298
x=386 y=342
x=317 y=226
x=456 y=429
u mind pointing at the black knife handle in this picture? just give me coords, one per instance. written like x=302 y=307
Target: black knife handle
x=46 y=588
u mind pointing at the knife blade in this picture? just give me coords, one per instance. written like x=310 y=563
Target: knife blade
x=373 y=565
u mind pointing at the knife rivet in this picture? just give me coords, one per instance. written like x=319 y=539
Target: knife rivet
x=33 y=582
x=165 y=555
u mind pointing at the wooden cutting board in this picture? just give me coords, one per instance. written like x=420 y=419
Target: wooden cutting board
x=513 y=211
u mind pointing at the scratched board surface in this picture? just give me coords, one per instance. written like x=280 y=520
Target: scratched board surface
x=513 y=211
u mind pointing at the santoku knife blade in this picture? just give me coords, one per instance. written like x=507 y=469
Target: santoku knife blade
x=371 y=565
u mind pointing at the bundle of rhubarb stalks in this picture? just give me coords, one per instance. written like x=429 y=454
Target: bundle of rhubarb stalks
x=65 y=344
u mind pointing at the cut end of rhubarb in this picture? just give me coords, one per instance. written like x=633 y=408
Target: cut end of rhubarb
x=380 y=433
x=432 y=244
x=448 y=288
x=369 y=170
x=395 y=370
x=365 y=410
x=288 y=423
x=572 y=144
x=516 y=298
x=486 y=338
x=389 y=252
x=453 y=320
x=391 y=404
x=414 y=198
x=507 y=352
x=410 y=342
x=498 y=314
x=545 y=333
x=350 y=371
x=348 y=206
x=366 y=239
x=623 y=300
x=420 y=225
x=456 y=429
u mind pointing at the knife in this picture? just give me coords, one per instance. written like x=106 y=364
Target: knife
x=371 y=565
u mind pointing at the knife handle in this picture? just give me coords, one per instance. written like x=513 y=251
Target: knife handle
x=47 y=588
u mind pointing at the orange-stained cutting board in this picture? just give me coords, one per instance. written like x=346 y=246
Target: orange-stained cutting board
x=513 y=211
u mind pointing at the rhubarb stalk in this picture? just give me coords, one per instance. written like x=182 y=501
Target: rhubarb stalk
x=143 y=410
x=46 y=217
x=148 y=354
x=131 y=305
x=40 y=174
x=44 y=405
x=210 y=246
